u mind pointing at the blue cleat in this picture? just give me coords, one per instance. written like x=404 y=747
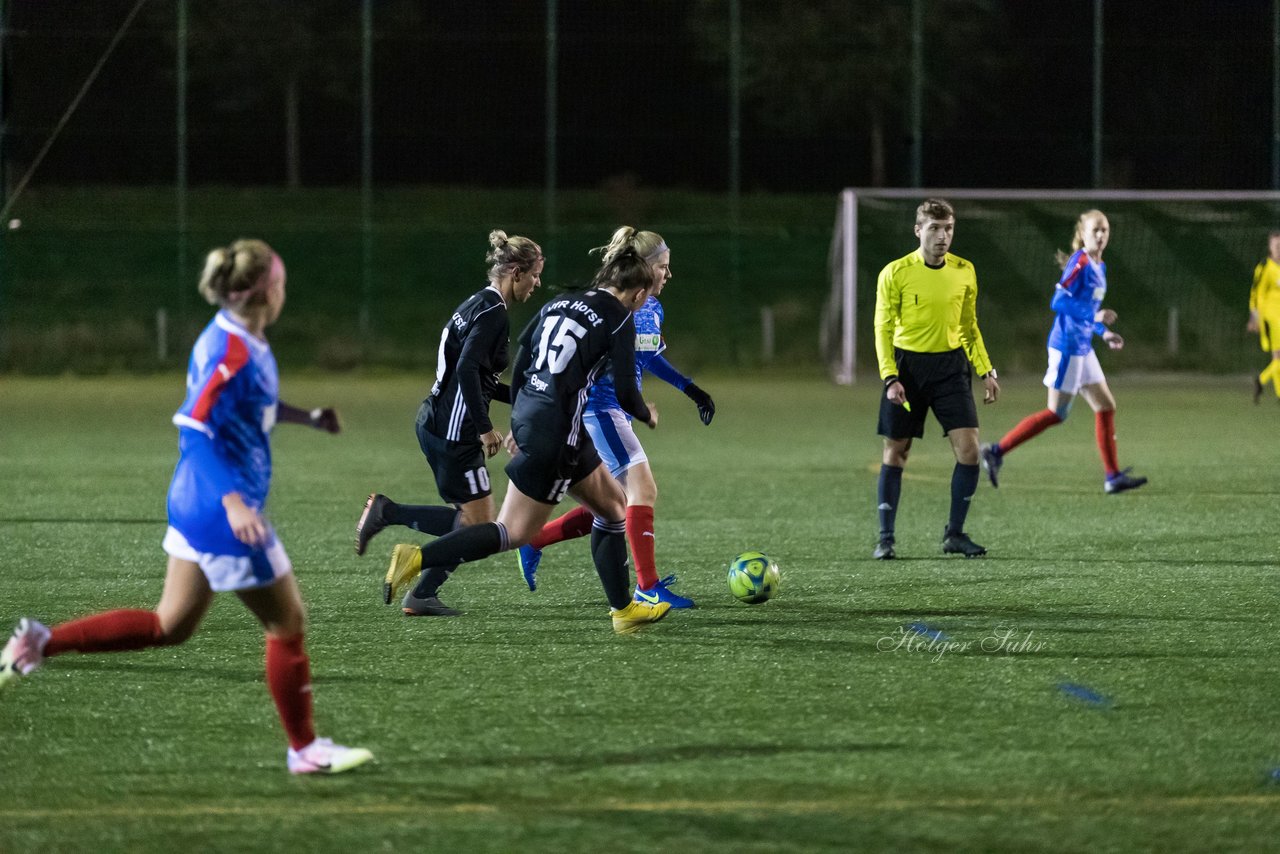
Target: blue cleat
x=662 y=592
x=992 y=459
x=528 y=557
x=1122 y=482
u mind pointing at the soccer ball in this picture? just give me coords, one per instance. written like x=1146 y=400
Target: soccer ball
x=753 y=577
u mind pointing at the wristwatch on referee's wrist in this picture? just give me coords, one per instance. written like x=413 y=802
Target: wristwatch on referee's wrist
x=990 y=375
x=888 y=381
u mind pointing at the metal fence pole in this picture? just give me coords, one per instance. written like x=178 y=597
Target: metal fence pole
x=1275 y=94
x=4 y=182
x=1097 y=93
x=366 y=169
x=4 y=34
x=551 y=120
x=181 y=178
x=917 y=92
x=735 y=153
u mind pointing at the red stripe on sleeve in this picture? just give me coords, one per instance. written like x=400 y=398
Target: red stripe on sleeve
x=1069 y=277
x=235 y=358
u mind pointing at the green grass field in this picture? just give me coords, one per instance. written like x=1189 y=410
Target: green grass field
x=527 y=725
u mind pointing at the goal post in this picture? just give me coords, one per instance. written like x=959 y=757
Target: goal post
x=1180 y=265
x=840 y=323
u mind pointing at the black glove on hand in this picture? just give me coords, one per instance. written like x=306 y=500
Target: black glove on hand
x=706 y=406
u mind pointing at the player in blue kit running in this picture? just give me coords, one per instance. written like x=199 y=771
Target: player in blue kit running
x=1073 y=366
x=453 y=425
x=218 y=538
x=566 y=348
x=616 y=440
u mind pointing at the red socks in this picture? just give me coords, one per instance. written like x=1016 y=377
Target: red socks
x=576 y=523
x=1028 y=428
x=288 y=668
x=289 y=680
x=111 y=631
x=640 y=538
x=1105 y=429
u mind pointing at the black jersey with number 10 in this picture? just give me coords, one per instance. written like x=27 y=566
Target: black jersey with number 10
x=473 y=354
x=572 y=341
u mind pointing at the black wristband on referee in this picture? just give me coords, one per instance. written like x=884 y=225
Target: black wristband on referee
x=888 y=381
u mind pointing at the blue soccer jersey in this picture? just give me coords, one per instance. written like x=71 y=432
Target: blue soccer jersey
x=224 y=434
x=1076 y=300
x=649 y=347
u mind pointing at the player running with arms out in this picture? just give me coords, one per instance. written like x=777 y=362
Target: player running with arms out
x=928 y=344
x=1264 y=314
x=453 y=425
x=615 y=439
x=1073 y=365
x=571 y=342
x=218 y=538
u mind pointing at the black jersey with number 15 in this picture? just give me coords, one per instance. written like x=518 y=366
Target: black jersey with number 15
x=563 y=350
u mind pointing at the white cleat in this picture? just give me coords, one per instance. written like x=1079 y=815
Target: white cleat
x=25 y=650
x=322 y=756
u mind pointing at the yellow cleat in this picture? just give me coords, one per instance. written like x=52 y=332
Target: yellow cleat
x=637 y=615
x=406 y=563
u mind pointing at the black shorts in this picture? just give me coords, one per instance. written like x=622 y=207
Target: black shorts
x=459 y=467
x=942 y=382
x=547 y=466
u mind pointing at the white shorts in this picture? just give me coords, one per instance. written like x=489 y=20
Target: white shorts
x=615 y=440
x=233 y=572
x=1069 y=373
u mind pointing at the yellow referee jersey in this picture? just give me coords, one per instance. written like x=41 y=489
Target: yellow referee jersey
x=928 y=311
x=1264 y=297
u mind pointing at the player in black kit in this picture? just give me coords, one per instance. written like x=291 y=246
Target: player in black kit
x=564 y=349
x=453 y=426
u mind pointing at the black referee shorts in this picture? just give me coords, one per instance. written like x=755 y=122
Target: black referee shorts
x=942 y=382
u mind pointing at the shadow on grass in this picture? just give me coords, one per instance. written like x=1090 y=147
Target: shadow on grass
x=236 y=675
x=50 y=520
x=666 y=756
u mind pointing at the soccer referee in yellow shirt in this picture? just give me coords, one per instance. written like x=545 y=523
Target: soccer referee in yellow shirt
x=928 y=344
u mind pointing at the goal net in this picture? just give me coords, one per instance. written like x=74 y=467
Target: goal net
x=1179 y=268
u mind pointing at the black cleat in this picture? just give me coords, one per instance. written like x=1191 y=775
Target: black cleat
x=954 y=543
x=428 y=607
x=992 y=459
x=371 y=521
x=884 y=549
x=1122 y=482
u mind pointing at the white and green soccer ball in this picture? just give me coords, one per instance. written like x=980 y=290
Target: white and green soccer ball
x=753 y=577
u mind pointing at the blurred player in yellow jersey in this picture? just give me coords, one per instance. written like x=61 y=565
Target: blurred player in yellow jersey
x=1264 y=313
